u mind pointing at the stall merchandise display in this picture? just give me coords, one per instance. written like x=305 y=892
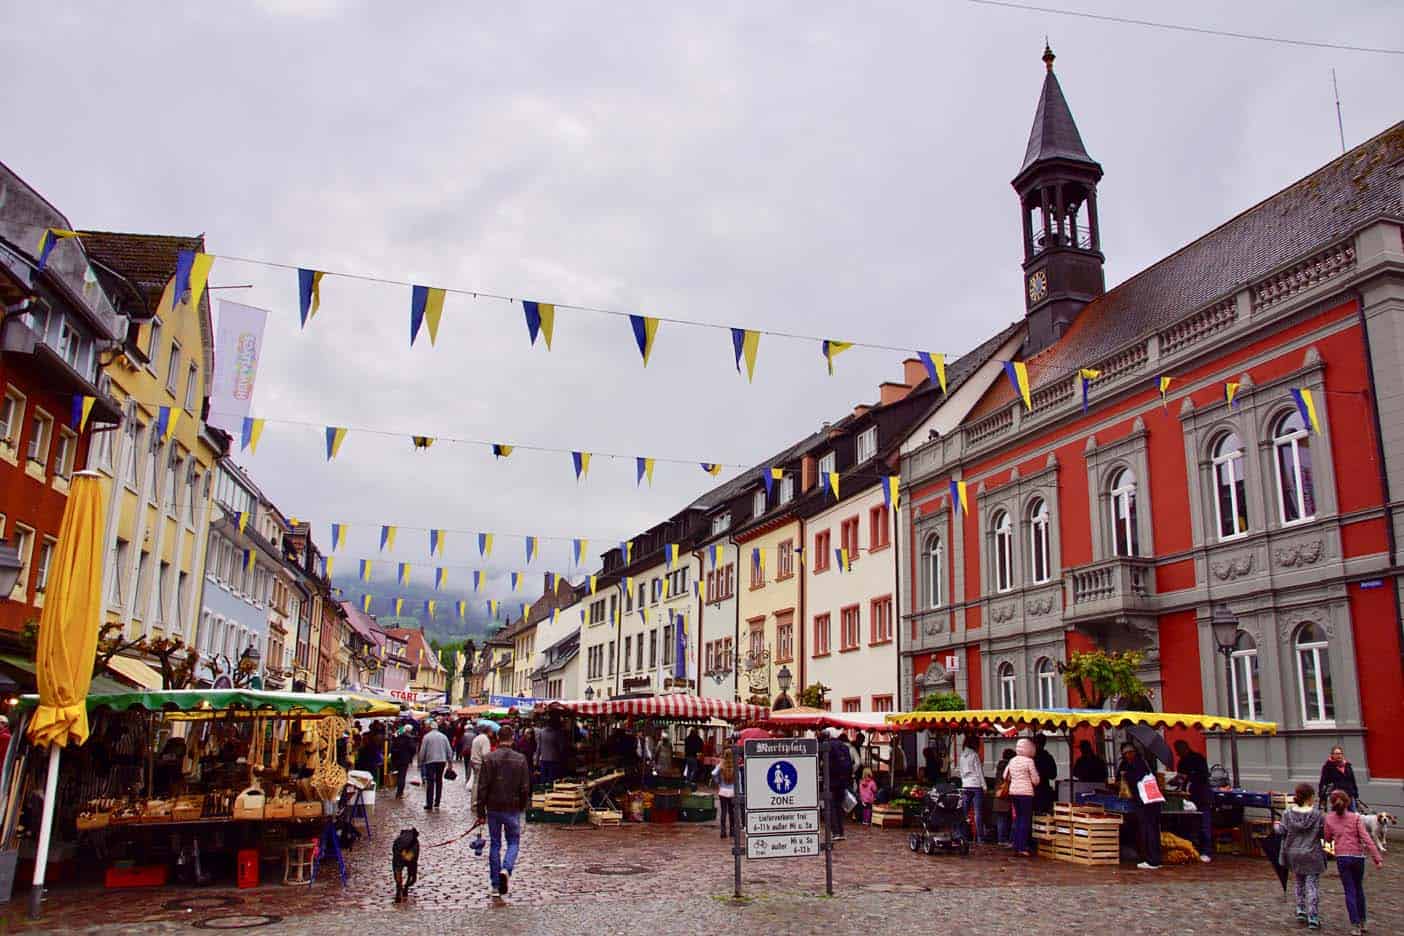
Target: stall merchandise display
x=1084 y=835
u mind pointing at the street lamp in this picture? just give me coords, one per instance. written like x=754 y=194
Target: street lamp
x=589 y=693
x=1225 y=627
x=10 y=569
x=784 y=679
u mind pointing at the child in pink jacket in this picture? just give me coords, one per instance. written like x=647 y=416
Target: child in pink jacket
x=1353 y=843
x=867 y=795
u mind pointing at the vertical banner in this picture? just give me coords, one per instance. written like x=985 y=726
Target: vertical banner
x=238 y=346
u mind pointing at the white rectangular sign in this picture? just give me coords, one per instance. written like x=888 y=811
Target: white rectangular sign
x=781 y=821
x=783 y=846
x=782 y=773
x=952 y=664
x=238 y=346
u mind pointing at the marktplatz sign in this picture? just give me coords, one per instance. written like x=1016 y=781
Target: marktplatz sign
x=782 y=774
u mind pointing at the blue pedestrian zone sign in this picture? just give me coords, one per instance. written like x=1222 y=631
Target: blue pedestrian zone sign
x=783 y=778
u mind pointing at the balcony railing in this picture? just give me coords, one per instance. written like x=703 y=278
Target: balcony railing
x=1110 y=587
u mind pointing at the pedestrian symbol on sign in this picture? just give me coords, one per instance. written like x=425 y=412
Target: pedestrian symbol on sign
x=782 y=778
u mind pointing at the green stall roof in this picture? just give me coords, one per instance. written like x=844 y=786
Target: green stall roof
x=240 y=700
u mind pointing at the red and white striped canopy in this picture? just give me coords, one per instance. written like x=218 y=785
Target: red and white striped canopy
x=673 y=705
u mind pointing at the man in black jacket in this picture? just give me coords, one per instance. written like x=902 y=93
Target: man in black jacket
x=840 y=767
x=504 y=793
x=1192 y=770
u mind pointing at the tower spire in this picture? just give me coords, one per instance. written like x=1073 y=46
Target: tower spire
x=1048 y=55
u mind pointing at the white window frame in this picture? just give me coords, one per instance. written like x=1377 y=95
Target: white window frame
x=867 y=444
x=1008 y=684
x=758 y=503
x=787 y=489
x=1319 y=652
x=1243 y=666
x=1003 y=528
x=24 y=545
x=153 y=345
x=1046 y=682
x=66 y=453
x=14 y=420
x=114 y=591
x=721 y=523
x=1292 y=440
x=1232 y=461
x=1039 y=542
x=42 y=564
x=933 y=555
x=41 y=438
x=173 y=360
x=1123 y=512
x=826 y=465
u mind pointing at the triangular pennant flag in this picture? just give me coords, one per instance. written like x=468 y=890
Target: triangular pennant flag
x=404 y=573
x=628 y=584
x=440 y=576
x=387 y=537
x=645 y=329
x=309 y=293
x=581 y=461
x=492 y=606
x=530 y=548
x=711 y=468
x=429 y=606
x=745 y=342
x=249 y=434
x=891 y=486
x=1085 y=376
x=477 y=581
x=526 y=609
x=1306 y=406
x=845 y=560
x=578 y=548
x=712 y=551
x=462 y=608
x=330 y=561
x=550 y=581
x=626 y=548
x=426 y=307
x=833 y=349
x=185 y=266
x=422 y=442
x=243 y=520
x=48 y=241
x=555 y=615
x=484 y=545
x=166 y=419
x=82 y=409
x=834 y=484
x=365 y=572
x=644 y=469
x=436 y=542
x=959 y=496
x=1164 y=389
x=516 y=578
x=935 y=365
x=673 y=550
x=366 y=603
x=1018 y=374
x=399 y=606
x=335 y=436
x=199 y=276
x=540 y=317
x=1231 y=391
x=501 y=451
x=594 y=583
x=338 y=535
x=799 y=555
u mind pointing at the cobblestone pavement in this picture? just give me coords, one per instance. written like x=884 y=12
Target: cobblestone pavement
x=679 y=878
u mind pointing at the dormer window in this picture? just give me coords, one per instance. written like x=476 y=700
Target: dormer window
x=758 y=503
x=867 y=444
x=826 y=464
x=721 y=523
x=787 y=489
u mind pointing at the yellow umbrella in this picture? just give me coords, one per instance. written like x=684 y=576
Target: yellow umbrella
x=68 y=626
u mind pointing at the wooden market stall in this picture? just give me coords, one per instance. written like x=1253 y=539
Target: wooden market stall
x=198 y=782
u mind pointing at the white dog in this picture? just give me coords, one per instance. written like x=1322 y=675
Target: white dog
x=1377 y=824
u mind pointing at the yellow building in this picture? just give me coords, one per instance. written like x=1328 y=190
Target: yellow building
x=158 y=518
x=768 y=606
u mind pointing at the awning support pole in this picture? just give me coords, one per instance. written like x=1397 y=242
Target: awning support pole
x=1233 y=756
x=46 y=829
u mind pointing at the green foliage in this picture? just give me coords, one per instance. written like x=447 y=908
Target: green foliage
x=942 y=702
x=1098 y=676
x=812 y=696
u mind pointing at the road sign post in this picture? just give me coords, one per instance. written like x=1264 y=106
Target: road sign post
x=782 y=789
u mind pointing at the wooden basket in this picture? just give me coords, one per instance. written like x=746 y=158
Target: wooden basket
x=278 y=809
x=310 y=810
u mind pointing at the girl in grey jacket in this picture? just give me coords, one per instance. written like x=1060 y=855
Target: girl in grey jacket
x=1301 y=827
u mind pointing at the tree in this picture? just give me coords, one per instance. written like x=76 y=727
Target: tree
x=812 y=696
x=942 y=702
x=1098 y=677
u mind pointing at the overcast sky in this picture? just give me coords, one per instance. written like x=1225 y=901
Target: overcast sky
x=830 y=169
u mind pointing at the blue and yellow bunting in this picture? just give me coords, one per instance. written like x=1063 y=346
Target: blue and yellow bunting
x=421 y=443
x=645 y=330
x=399 y=606
x=1018 y=374
x=250 y=431
x=440 y=576
x=477 y=581
x=1164 y=384
x=577 y=548
x=387 y=538
x=891 y=491
x=249 y=558
x=540 y=318
x=833 y=349
x=935 y=365
x=484 y=545
x=643 y=469
x=516 y=580
x=1306 y=407
x=501 y=451
x=48 y=241
x=426 y=308
x=712 y=468
x=530 y=543
x=959 y=497
x=673 y=551
x=338 y=535
x=436 y=542
x=492 y=606
x=365 y=570
x=192 y=273
x=82 y=409
x=745 y=342
x=833 y=482
x=581 y=463
x=1231 y=392
x=243 y=520
x=594 y=584
x=309 y=293
x=1085 y=376
x=335 y=436
x=402 y=574
x=462 y=607
x=366 y=603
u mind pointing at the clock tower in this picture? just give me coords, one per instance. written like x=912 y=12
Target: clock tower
x=1057 y=188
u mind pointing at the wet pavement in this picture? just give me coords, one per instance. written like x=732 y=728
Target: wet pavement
x=675 y=878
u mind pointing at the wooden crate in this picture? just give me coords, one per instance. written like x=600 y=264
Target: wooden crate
x=605 y=818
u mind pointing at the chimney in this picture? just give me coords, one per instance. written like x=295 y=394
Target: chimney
x=913 y=371
x=860 y=409
x=892 y=391
x=807 y=473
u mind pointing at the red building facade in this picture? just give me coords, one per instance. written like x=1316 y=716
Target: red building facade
x=1191 y=478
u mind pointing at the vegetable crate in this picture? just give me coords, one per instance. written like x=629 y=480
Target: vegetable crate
x=1079 y=834
x=886 y=816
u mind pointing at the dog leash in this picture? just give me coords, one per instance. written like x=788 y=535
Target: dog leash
x=457 y=838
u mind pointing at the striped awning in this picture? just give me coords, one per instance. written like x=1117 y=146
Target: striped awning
x=673 y=705
x=1061 y=718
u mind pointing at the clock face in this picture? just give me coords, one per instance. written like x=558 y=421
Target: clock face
x=1038 y=285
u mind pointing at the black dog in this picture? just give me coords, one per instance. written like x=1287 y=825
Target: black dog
x=404 y=860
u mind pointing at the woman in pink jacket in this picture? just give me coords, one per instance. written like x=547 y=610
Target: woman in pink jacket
x=1023 y=777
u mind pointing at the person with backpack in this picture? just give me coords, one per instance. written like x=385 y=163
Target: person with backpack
x=840 y=768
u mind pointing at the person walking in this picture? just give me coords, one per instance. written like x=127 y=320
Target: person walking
x=692 y=756
x=1023 y=780
x=1353 y=842
x=478 y=752
x=1044 y=793
x=972 y=784
x=1131 y=771
x=434 y=755
x=840 y=765
x=1193 y=772
x=1337 y=774
x=402 y=751
x=504 y=792
x=1302 y=826
x=525 y=745
x=550 y=748
x=725 y=774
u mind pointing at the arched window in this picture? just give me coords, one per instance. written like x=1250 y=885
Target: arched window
x=1230 y=494
x=1125 y=540
x=932 y=560
x=1039 y=564
x=1046 y=679
x=1004 y=551
x=1292 y=445
x=1314 y=676
x=1243 y=679
x=1007 y=697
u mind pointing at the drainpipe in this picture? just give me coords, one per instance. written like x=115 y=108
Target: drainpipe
x=701 y=609
x=799 y=643
x=897 y=605
x=1380 y=461
x=736 y=625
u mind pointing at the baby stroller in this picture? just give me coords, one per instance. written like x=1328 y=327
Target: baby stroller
x=943 y=823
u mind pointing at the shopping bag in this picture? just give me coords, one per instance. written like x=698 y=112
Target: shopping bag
x=1148 y=790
